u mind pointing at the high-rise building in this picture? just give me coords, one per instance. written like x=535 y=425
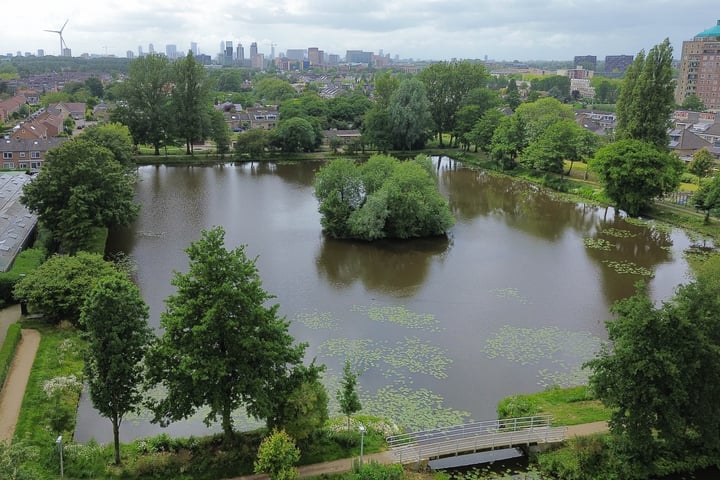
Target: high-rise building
x=171 y=51
x=258 y=60
x=700 y=69
x=41 y=52
x=151 y=48
x=253 y=50
x=315 y=56
x=358 y=56
x=617 y=63
x=194 y=49
x=240 y=54
x=295 y=54
x=130 y=54
x=140 y=51
x=588 y=62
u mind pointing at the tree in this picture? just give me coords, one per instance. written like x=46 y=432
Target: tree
x=94 y=86
x=274 y=90
x=295 y=135
x=222 y=347
x=693 y=103
x=661 y=371
x=512 y=96
x=634 y=173
x=508 y=141
x=537 y=116
x=58 y=287
x=702 y=163
x=707 y=198
x=190 y=97
x=409 y=115
x=116 y=138
x=563 y=140
x=447 y=86
x=81 y=187
x=483 y=129
x=114 y=316
x=347 y=395
x=647 y=97
x=219 y=132
x=303 y=405
x=251 y=143
x=147 y=93
x=376 y=128
x=339 y=188
x=277 y=456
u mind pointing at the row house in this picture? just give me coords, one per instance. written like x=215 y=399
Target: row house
x=265 y=118
x=69 y=109
x=26 y=154
x=10 y=106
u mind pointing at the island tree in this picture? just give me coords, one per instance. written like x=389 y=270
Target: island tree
x=222 y=346
x=635 y=173
x=114 y=317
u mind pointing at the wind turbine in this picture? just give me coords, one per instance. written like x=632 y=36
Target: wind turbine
x=62 y=40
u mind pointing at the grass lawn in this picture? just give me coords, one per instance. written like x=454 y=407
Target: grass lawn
x=567 y=406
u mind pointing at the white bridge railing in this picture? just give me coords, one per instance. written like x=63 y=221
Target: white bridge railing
x=473 y=437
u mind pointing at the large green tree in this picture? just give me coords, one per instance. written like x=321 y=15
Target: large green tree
x=146 y=92
x=296 y=134
x=647 y=97
x=707 y=198
x=447 y=86
x=115 y=137
x=702 y=163
x=634 y=173
x=563 y=140
x=114 y=317
x=189 y=101
x=409 y=115
x=80 y=188
x=222 y=347
x=251 y=143
x=58 y=287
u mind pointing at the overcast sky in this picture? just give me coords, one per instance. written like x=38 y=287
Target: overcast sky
x=419 y=29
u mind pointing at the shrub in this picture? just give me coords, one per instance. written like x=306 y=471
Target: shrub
x=374 y=471
x=7 y=352
x=517 y=406
x=25 y=262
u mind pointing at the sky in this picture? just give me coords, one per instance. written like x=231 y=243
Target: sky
x=418 y=29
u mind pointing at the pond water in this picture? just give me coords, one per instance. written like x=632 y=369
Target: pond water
x=513 y=300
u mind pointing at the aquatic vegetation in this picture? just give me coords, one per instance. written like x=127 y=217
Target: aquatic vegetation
x=630 y=268
x=413 y=410
x=510 y=293
x=614 y=232
x=317 y=320
x=598 y=244
x=400 y=315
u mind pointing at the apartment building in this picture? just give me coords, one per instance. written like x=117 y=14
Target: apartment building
x=700 y=69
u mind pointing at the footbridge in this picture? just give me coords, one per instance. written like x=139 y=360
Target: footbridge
x=473 y=437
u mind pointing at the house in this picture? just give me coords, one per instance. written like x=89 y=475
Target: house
x=10 y=106
x=601 y=123
x=345 y=136
x=684 y=142
x=259 y=117
x=74 y=110
x=30 y=130
x=26 y=154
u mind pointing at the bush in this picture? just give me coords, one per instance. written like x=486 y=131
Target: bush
x=25 y=262
x=7 y=352
x=517 y=406
x=374 y=471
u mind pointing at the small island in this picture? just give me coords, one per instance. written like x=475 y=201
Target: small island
x=381 y=198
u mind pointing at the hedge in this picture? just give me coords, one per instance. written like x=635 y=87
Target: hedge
x=7 y=352
x=25 y=262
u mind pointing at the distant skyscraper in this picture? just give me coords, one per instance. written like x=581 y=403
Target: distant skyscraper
x=617 y=63
x=295 y=54
x=253 y=50
x=240 y=54
x=258 y=61
x=130 y=54
x=140 y=51
x=194 y=49
x=314 y=56
x=151 y=48
x=700 y=69
x=588 y=62
x=171 y=51
x=41 y=52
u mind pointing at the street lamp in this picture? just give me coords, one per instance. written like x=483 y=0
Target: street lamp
x=58 y=442
x=361 y=427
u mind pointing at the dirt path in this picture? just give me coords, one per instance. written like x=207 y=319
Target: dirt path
x=12 y=395
x=586 y=429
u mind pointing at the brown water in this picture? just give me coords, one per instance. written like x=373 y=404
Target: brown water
x=441 y=329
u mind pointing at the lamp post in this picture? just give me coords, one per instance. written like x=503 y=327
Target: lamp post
x=361 y=427
x=58 y=442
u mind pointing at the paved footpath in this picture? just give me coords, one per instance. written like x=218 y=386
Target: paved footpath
x=8 y=316
x=12 y=394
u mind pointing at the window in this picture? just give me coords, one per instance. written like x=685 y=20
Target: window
x=23 y=165
x=35 y=165
x=8 y=165
x=7 y=155
x=34 y=154
x=22 y=154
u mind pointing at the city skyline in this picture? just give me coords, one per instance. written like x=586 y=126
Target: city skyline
x=422 y=30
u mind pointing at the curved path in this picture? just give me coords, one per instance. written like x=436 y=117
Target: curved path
x=11 y=396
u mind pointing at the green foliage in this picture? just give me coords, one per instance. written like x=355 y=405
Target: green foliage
x=635 y=173
x=19 y=461
x=517 y=406
x=296 y=134
x=272 y=91
x=58 y=287
x=235 y=350
x=562 y=140
x=7 y=350
x=375 y=471
x=702 y=163
x=536 y=117
x=251 y=144
x=383 y=198
x=693 y=103
x=25 y=262
x=277 y=456
x=114 y=316
x=409 y=115
x=347 y=395
x=115 y=137
x=81 y=187
x=647 y=97
x=189 y=100
x=303 y=410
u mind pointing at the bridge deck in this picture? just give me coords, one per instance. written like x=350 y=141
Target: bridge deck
x=429 y=444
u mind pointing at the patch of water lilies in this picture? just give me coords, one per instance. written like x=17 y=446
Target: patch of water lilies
x=400 y=315
x=598 y=244
x=614 y=232
x=510 y=293
x=413 y=410
x=571 y=376
x=628 y=268
x=653 y=224
x=489 y=473
x=317 y=320
x=411 y=354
